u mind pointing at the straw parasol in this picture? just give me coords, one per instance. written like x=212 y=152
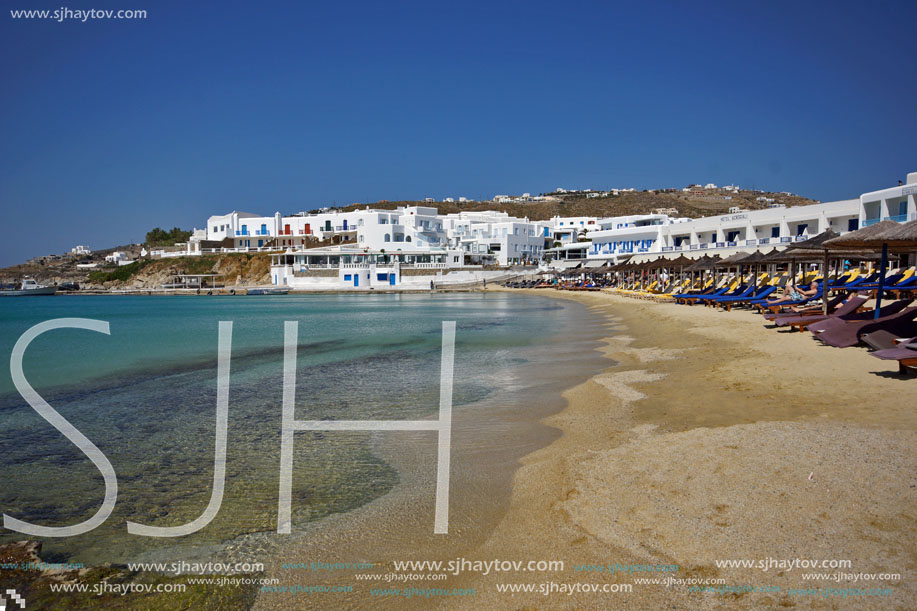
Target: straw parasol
x=897 y=237
x=732 y=260
x=885 y=235
x=817 y=243
x=704 y=263
x=680 y=260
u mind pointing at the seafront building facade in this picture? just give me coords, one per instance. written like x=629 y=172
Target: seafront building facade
x=415 y=245
x=741 y=230
x=483 y=237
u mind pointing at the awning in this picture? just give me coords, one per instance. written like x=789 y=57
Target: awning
x=593 y=264
x=564 y=265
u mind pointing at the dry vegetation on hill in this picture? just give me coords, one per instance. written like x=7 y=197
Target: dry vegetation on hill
x=626 y=203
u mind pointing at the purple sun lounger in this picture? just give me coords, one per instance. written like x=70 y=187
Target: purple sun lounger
x=905 y=354
x=889 y=309
x=849 y=308
x=848 y=334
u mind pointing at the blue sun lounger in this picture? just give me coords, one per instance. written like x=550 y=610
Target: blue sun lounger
x=743 y=294
x=759 y=296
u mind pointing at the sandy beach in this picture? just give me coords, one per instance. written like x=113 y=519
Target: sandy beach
x=711 y=439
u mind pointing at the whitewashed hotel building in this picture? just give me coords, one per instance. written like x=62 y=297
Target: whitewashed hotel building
x=742 y=230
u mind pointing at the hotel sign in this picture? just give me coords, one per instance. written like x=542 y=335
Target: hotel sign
x=909 y=190
x=734 y=217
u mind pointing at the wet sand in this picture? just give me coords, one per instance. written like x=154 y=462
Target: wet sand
x=706 y=438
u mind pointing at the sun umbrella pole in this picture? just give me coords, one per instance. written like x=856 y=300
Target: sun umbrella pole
x=824 y=284
x=882 y=267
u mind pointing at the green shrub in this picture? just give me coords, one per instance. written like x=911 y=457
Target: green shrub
x=160 y=237
x=122 y=273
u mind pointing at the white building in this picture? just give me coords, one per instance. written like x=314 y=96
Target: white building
x=118 y=257
x=569 y=229
x=743 y=231
x=896 y=203
x=496 y=237
x=246 y=231
x=350 y=267
x=80 y=250
x=414 y=227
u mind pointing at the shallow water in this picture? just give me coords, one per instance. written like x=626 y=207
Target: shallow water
x=146 y=396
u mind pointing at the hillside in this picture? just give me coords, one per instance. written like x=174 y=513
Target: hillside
x=642 y=202
x=238 y=269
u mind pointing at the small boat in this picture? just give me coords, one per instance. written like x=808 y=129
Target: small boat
x=267 y=291
x=28 y=288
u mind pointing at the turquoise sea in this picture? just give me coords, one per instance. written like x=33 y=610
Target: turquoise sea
x=146 y=396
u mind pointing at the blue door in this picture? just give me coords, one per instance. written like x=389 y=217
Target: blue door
x=260 y=243
x=356 y=279
x=263 y=229
x=391 y=279
x=345 y=225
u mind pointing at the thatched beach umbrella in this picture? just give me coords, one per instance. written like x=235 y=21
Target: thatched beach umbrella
x=817 y=243
x=680 y=262
x=883 y=235
x=897 y=237
x=733 y=261
x=756 y=259
x=705 y=263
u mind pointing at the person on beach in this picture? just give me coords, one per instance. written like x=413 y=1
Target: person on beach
x=794 y=293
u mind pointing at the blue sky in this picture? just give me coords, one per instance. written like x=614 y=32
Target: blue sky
x=110 y=128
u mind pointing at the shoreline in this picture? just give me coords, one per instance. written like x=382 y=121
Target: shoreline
x=240 y=293
x=489 y=438
x=698 y=446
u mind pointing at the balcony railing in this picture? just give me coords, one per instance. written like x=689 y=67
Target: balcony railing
x=898 y=218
